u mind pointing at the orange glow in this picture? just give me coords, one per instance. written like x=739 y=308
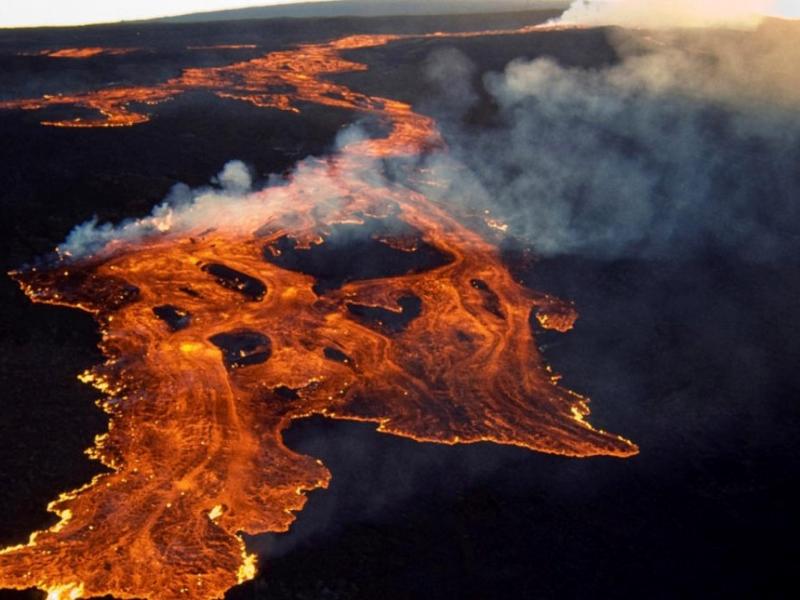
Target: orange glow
x=83 y=52
x=224 y=47
x=195 y=443
x=262 y=82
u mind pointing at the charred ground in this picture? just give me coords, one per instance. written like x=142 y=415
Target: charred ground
x=694 y=360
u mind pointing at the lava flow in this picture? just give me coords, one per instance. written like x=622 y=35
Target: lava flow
x=280 y=80
x=82 y=52
x=337 y=294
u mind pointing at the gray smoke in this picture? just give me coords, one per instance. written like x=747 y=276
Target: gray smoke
x=452 y=74
x=691 y=141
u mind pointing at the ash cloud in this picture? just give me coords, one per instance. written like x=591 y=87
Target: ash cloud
x=690 y=142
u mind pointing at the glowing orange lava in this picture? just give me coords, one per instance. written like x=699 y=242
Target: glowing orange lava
x=224 y=47
x=279 y=80
x=83 y=52
x=215 y=342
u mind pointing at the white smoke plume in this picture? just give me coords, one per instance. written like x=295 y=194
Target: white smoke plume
x=654 y=14
x=230 y=203
x=182 y=209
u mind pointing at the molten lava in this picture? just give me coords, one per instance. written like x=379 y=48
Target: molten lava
x=224 y=47
x=83 y=52
x=262 y=82
x=373 y=305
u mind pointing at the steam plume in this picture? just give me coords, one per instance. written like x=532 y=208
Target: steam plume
x=229 y=203
x=690 y=142
x=668 y=13
x=183 y=208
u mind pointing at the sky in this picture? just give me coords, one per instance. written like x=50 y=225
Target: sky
x=31 y=13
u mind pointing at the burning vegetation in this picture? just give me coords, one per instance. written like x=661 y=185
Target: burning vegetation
x=375 y=305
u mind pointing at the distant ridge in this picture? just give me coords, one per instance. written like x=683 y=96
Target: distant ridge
x=366 y=8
